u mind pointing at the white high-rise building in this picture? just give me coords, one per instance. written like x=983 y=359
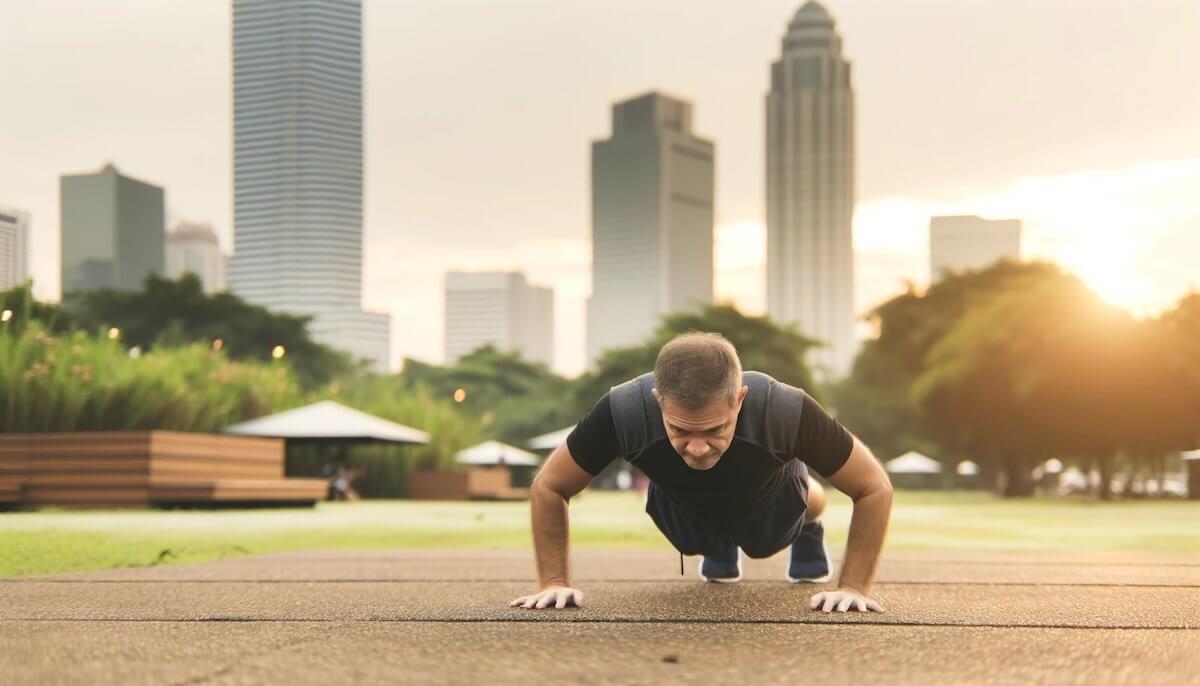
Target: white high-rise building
x=14 y=247
x=652 y=222
x=967 y=242
x=298 y=168
x=194 y=248
x=810 y=189
x=501 y=309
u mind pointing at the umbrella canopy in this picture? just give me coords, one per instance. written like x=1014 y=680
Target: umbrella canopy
x=495 y=452
x=914 y=463
x=328 y=421
x=551 y=440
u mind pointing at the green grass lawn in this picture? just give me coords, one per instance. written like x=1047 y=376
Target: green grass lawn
x=59 y=541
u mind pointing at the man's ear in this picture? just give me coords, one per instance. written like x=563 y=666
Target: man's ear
x=742 y=393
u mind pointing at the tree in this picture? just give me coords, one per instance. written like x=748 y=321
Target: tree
x=1168 y=399
x=513 y=398
x=1037 y=372
x=174 y=313
x=876 y=400
x=25 y=309
x=762 y=344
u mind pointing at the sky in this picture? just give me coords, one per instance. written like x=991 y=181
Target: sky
x=1082 y=118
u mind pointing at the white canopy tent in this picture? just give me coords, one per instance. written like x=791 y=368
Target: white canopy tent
x=495 y=453
x=551 y=440
x=328 y=421
x=913 y=463
x=967 y=468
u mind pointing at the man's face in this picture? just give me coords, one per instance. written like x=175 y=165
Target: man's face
x=701 y=436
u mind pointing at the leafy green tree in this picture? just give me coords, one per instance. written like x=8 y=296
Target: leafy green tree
x=513 y=398
x=168 y=312
x=1037 y=372
x=762 y=344
x=876 y=400
x=1166 y=403
x=24 y=309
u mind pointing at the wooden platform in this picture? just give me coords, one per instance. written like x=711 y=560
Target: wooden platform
x=118 y=468
x=469 y=484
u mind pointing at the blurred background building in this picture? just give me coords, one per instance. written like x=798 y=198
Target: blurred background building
x=298 y=168
x=14 y=247
x=501 y=309
x=652 y=221
x=963 y=242
x=194 y=248
x=810 y=188
x=112 y=230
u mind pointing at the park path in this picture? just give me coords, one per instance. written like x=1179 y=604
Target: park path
x=443 y=617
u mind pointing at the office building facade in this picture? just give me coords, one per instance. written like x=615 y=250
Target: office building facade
x=653 y=192
x=966 y=242
x=810 y=189
x=113 y=231
x=499 y=309
x=298 y=168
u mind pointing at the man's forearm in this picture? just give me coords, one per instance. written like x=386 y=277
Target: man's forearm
x=868 y=525
x=550 y=530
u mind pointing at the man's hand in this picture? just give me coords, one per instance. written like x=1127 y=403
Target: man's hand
x=555 y=595
x=842 y=600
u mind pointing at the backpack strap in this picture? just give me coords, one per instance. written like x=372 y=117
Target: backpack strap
x=774 y=408
x=636 y=415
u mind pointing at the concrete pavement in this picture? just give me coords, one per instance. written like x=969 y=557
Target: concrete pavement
x=442 y=617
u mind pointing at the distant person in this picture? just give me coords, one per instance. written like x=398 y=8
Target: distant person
x=340 y=476
x=727 y=454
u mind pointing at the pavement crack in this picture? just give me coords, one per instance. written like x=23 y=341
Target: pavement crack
x=600 y=620
x=227 y=669
x=899 y=582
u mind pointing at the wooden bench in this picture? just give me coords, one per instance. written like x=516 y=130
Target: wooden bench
x=119 y=468
x=468 y=484
x=240 y=491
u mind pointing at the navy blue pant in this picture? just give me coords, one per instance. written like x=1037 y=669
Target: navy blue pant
x=773 y=527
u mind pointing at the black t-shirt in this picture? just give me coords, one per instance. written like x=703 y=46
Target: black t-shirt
x=742 y=480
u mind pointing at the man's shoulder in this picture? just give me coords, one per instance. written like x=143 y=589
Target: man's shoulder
x=770 y=414
x=757 y=380
x=636 y=415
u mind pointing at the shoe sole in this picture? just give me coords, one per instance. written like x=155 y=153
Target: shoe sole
x=729 y=580
x=815 y=579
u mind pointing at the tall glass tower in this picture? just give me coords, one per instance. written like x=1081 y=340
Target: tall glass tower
x=298 y=168
x=810 y=188
x=653 y=190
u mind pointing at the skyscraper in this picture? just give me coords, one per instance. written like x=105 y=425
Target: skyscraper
x=194 y=248
x=652 y=221
x=810 y=188
x=112 y=230
x=959 y=243
x=501 y=309
x=297 y=171
x=14 y=247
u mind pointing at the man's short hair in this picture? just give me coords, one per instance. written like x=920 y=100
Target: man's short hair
x=695 y=368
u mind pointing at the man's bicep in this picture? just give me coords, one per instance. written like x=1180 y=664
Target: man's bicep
x=861 y=473
x=562 y=474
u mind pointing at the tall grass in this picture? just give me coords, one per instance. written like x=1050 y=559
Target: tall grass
x=79 y=382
